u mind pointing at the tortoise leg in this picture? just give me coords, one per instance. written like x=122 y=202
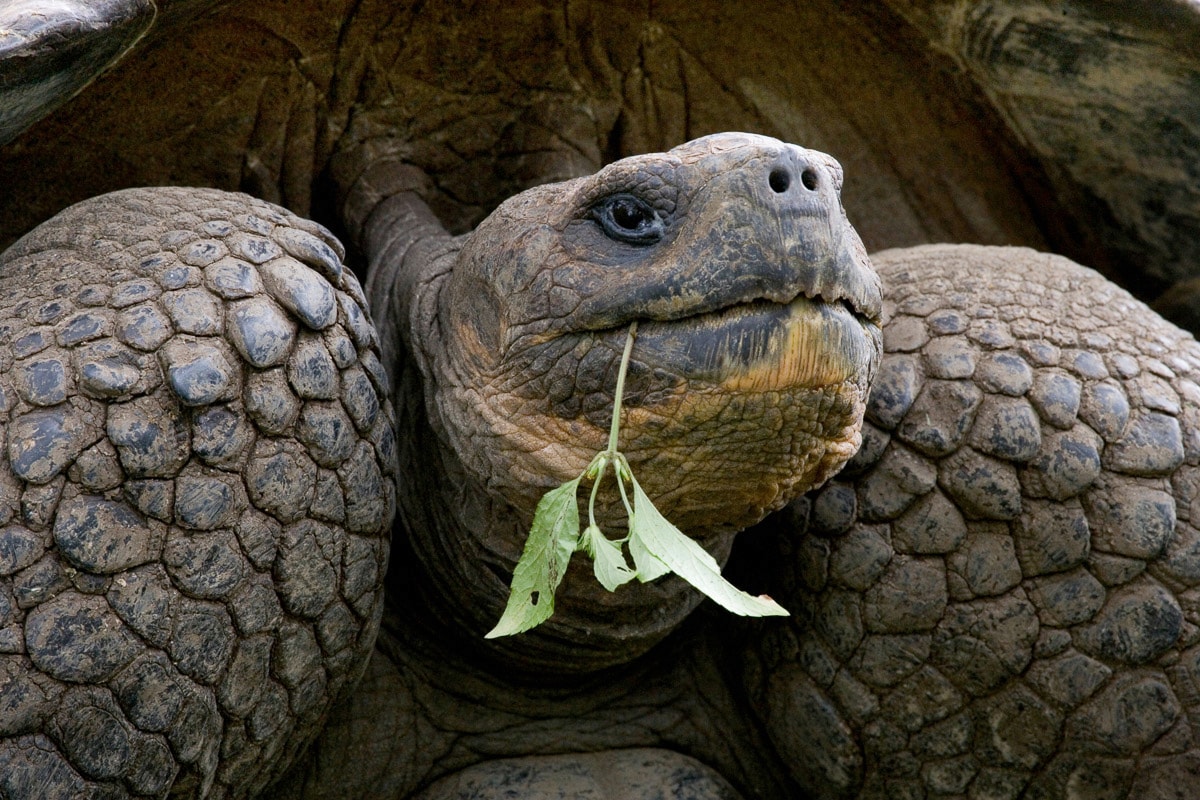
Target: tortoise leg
x=998 y=597
x=195 y=495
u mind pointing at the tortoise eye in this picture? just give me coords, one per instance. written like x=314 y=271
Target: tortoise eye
x=629 y=214
x=628 y=219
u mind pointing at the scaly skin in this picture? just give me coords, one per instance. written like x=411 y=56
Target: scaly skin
x=994 y=601
x=199 y=447
x=195 y=492
x=752 y=359
x=998 y=597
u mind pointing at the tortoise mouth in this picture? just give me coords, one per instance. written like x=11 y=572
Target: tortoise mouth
x=763 y=345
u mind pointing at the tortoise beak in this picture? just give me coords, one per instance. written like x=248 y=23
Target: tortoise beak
x=844 y=276
x=765 y=346
x=816 y=325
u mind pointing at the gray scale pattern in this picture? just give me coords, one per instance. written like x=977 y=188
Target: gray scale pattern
x=194 y=507
x=1000 y=597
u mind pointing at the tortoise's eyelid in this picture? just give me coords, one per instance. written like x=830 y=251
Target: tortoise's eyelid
x=627 y=218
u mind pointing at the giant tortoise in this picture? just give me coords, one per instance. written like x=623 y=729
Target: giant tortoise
x=995 y=598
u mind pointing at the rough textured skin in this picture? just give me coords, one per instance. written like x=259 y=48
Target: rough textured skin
x=754 y=352
x=1068 y=127
x=998 y=597
x=995 y=600
x=426 y=710
x=195 y=495
x=200 y=462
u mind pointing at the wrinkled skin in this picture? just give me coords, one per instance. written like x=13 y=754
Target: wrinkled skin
x=931 y=692
x=996 y=597
x=196 y=419
x=750 y=366
x=1068 y=128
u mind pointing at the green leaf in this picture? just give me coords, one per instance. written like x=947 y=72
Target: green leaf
x=649 y=566
x=652 y=538
x=657 y=546
x=553 y=537
x=608 y=560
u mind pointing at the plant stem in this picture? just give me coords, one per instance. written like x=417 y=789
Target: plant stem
x=615 y=425
x=596 y=490
x=623 y=472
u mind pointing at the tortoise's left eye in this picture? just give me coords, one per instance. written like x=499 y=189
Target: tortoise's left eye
x=628 y=219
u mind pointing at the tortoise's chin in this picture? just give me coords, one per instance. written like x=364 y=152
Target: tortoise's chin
x=763 y=346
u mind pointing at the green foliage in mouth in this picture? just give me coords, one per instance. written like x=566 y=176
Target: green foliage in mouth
x=657 y=546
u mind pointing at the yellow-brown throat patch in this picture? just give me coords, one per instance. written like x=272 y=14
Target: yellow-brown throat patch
x=816 y=345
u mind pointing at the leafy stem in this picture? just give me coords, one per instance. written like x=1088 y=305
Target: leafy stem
x=614 y=426
x=611 y=456
x=657 y=546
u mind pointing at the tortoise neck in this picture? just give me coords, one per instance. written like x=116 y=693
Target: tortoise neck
x=367 y=175
x=460 y=531
x=405 y=246
x=455 y=545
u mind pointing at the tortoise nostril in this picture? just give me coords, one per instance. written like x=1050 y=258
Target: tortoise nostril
x=809 y=179
x=779 y=180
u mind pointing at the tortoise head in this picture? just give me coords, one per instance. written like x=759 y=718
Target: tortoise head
x=758 y=333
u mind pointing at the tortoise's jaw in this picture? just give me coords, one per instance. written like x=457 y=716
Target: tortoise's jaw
x=763 y=346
